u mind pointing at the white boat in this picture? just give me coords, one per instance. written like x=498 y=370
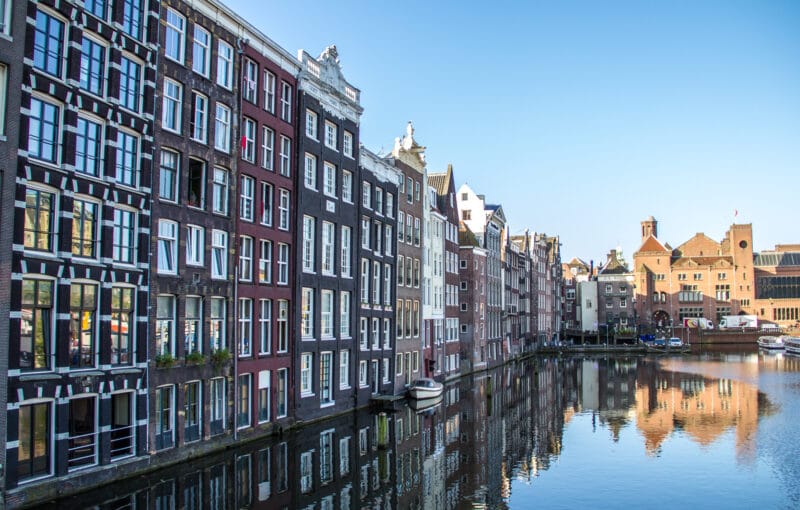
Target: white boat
x=771 y=342
x=425 y=388
x=792 y=344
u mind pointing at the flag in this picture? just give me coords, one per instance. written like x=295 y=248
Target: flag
x=244 y=142
x=735 y=213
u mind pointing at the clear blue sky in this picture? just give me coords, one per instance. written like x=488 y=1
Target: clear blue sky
x=582 y=118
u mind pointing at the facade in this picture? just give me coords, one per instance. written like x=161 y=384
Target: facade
x=433 y=288
x=265 y=230
x=573 y=273
x=526 y=318
x=777 y=284
x=700 y=278
x=377 y=271
x=511 y=318
x=616 y=312
x=448 y=360
x=329 y=188
x=408 y=158
x=77 y=332
x=472 y=299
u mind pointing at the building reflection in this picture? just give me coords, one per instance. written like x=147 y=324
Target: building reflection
x=463 y=452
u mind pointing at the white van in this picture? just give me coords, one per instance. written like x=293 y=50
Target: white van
x=770 y=327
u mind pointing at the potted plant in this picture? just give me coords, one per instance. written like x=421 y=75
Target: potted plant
x=165 y=360
x=220 y=357
x=195 y=358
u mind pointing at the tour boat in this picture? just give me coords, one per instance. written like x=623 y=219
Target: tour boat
x=771 y=342
x=792 y=344
x=425 y=388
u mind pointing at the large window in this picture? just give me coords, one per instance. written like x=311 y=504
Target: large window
x=165 y=417
x=193 y=411
x=168 y=175
x=199 y=126
x=346 y=264
x=93 y=66
x=36 y=324
x=245 y=387
x=286 y=102
x=269 y=91
x=173 y=102
x=82 y=324
x=247 y=198
x=307 y=311
x=123 y=430
x=130 y=82
x=219 y=254
x=265 y=262
x=250 y=85
x=283 y=210
x=196 y=180
x=283 y=264
x=344 y=314
x=132 y=18
x=84 y=228
x=48 y=44
x=326 y=378
x=328 y=239
x=245 y=327
x=220 y=191
x=175 y=36
x=35 y=450
x=82 y=442
x=127 y=163
x=167 y=247
x=217 y=324
x=165 y=325
x=282 y=396
x=326 y=314
x=249 y=140
x=217 y=401
x=306 y=364
x=246 y=258
x=309 y=237
x=266 y=204
x=331 y=134
x=225 y=65
x=310 y=171
x=283 y=325
x=344 y=368
x=122 y=324
x=347 y=144
x=286 y=156
x=201 y=51
x=88 y=146
x=264 y=407
x=265 y=326
x=195 y=245
x=222 y=128
x=267 y=148
x=192 y=325
x=44 y=130
x=329 y=179
x=40 y=211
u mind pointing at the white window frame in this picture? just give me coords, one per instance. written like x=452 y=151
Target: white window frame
x=347 y=143
x=268 y=148
x=202 y=64
x=326 y=314
x=344 y=314
x=312 y=124
x=331 y=135
x=347 y=186
x=195 y=245
x=265 y=261
x=269 y=91
x=309 y=243
x=286 y=156
x=246 y=247
x=329 y=179
x=328 y=248
x=346 y=269
x=284 y=204
x=199 y=131
x=175 y=27
x=247 y=199
x=167 y=247
x=224 y=65
x=222 y=128
x=172 y=106
x=219 y=255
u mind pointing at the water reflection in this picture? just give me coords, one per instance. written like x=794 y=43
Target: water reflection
x=466 y=450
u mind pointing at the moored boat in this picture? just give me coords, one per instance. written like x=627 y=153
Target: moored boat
x=771 y=342
x=792 y=344
x=425 y=388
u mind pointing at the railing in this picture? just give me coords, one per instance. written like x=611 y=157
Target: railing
x=81 y=450
x=122 y=441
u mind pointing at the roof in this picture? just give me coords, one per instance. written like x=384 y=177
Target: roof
x=441 y=181
x=777 y=259
x=466 y=237
x=653 y=244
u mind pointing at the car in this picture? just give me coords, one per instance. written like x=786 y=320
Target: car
x=659 y=342
x=675 y=342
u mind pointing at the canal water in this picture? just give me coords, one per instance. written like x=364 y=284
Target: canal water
x=707 y=430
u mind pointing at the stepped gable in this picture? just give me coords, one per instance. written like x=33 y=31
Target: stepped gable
x=466 y=237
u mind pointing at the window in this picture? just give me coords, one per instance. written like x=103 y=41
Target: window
x=269 y=91
x=35 y=450
x=129 y=84
x=286 y=102
x=311 y=124
x=48 y=44
x=326 y=315
x=283 y=210
x=400 y=270
x=167 y=247
x=365 y=231
x=387 y=284
x=265 y=326
x=250 y=85
x=132 y=18
x=366 y=195
x=264 y=411
x=306 y=476
x=310 y=171
x=219 y=254
x=243 y=418
x=199 y=127
x=376 y=283
x=344 y=368
x=174 y=36
x=282 y=396
x=286 y=156
x=283 y=264
x=93 y=66
x=378 y=200
x=123 y=433
x=307 y=313
x=82 y=330
x=192 y=329
x=330 y=134
x=217 y=401
x=247 y=198
x=217 y=324
x=328 y=234
x=249 y=140
x=326 y=378
x=329 y=183
x=3 y=84
x=201 y=51
x=124 y=236
x=364 y=281
x=409 y=189
x=416 y=232
x=347 y=186
x=283 y=325
x=225 y=65
x=347 y=144
x=388 y=239
x=306 y=362
x=387 y=334
x=266 y=204
x=222 y=128
x=362 y=373
x=43 y=130
x=197 y=183
x=165 y=417
x=267 y=148
x=173 y=102
x=344 y=314
x=245 y=258
x=309 y=236
x=165 y=325
x=40 y=209
x=192 y=407
x=347 y=235
x=168 y=176
x=36 y=327
x=245 y=326
x=88 y=147
x=5 y=15
x=390 y=205
x=84 y=228
x=265 y=262
x=127 y=164
x=376 y=333
x=220 y=191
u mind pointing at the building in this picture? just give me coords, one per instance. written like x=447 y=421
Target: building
x=266 y=171
x=616 y=312
x=472 y=262
x=329 y=191
x=511 y=318
x=526 y=318
x=77 y=348
x=574 y=272
x=699 y=278
x=444 y=197
x=408 y=157
x=377 y=289
x=777 y=285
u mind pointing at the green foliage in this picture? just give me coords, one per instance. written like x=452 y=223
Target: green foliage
x=165 y=360
x=195 y=357
x=220 y=357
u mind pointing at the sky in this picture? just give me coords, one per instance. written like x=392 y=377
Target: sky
x=581 y=118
